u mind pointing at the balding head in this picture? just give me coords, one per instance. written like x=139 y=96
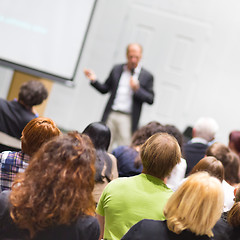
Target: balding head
x=134 y=55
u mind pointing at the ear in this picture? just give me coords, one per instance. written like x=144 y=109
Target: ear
x=193 y=132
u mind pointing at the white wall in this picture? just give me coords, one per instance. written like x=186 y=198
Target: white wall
x=191 y=47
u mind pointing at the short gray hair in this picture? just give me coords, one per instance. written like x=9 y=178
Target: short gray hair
x=206 y=128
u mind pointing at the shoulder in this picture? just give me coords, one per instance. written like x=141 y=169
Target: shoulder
x=146 y=228
x=86 y=222
x=120 y=149
x=88 y=228
x=118 y=67
x=146 y=73
x=221 y=230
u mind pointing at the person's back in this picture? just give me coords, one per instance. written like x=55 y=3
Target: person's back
x=203 y=132
x=106 y=163
x=39 y=207
x=14 y=115
x=125 y=201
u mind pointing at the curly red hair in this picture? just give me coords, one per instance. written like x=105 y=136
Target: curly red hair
x=56 y=188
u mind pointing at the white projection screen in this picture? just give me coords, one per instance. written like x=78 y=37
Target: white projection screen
x=44 y=38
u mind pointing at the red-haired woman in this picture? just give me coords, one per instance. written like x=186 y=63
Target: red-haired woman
x=53 y=199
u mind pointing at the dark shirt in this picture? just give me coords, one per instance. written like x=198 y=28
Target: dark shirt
x=85 y=228
x=223 y=230
x=193 y=153
x=13 y=117
x=156 y=230
x=125 y=161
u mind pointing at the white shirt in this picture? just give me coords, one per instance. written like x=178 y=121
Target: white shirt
x=177 y=175
x=123 y=98
x=228 y=196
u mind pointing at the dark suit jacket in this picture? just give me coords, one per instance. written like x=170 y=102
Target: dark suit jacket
x=193 y=153
x=143 y=94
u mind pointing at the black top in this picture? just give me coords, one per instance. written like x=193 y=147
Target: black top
x=85 y=228
x=193 y=153
x=156 y=230
x=223 y=231
x=13 y=117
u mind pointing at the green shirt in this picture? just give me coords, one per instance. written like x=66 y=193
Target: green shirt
x=126 y=201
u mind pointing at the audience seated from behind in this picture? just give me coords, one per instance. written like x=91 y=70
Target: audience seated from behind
x=106 y=163
x=203 y=133
x=35 y=133
x=53 y=198
x=226 y=156
x=191 y=212
x=126 y=201
x=128 y=158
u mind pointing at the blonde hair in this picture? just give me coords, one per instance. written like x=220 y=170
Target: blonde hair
x=196 y=205
x=159 y=154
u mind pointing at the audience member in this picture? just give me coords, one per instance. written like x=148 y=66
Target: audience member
x=106 y=163
x=228 y=226
x=223 y=154
x=125 y=201
x=53 y=198
x=128 y=159
x=234 y=142
x=191 y=212
x=203 y=133
x=35 y=133
x=211 y=165
x=14 y=115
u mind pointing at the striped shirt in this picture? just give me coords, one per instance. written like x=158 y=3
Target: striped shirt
x=11 y=163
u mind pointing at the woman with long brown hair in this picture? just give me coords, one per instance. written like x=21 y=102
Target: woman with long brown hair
x=53 y=198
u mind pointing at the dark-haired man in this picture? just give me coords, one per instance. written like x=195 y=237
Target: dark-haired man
x=14 y=115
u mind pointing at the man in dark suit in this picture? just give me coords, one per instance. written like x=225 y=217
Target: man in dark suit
x=130 y=86
x=203 y=133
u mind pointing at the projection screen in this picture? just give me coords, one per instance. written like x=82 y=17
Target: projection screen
x=44 y=38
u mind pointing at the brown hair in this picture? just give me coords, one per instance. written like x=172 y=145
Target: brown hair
x=56 y=188
x=229 y=160
x=140 y=136
x=233 y=216
x=36 y=132
x=32 y=93
x=219 y=151
x=232 y=169
x=159 y=154
x=211 y=165
x=234 y=140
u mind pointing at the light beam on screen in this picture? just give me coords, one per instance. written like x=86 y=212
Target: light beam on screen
x=44 y=38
